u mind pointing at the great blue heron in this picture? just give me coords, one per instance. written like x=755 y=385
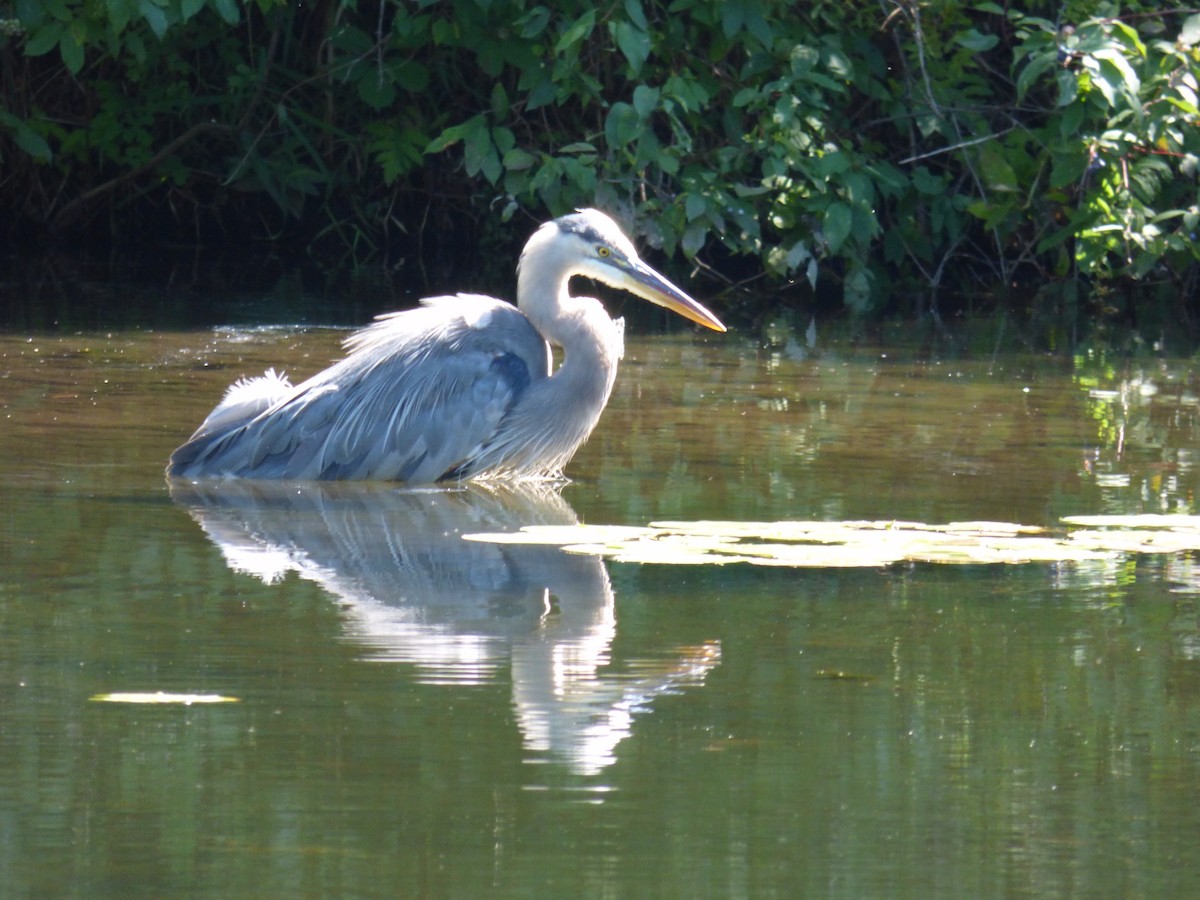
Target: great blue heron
x=460 y=388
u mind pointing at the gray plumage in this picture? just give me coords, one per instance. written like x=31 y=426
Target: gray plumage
x=459 y=388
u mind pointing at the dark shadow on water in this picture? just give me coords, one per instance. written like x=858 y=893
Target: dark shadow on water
x=412 y=590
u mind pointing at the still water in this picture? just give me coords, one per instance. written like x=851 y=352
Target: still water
x=418 y=715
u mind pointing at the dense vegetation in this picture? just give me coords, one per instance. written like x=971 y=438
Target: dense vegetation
x=882 y=149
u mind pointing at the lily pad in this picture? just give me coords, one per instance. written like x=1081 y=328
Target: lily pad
x=867 y=543
x=161 y=697
x=1147 y=520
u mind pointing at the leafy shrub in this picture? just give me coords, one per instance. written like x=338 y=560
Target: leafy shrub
x=905 y=150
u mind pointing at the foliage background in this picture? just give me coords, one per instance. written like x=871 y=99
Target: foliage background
x=877 y=152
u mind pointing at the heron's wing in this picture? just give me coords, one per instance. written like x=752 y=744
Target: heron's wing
x=420 y=392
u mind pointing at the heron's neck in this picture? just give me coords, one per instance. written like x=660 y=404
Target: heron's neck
x=542 y=294
x=591 y=341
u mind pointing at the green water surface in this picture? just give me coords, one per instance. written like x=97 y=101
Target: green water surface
x=418 y=716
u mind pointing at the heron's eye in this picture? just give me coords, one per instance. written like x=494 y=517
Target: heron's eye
x=602 y=252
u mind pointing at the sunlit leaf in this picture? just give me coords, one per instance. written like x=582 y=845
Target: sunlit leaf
x=1189 y=35
x=561 y=535
x=860 y=544
x=852 y=544
x=162 y=697
x=1148 y=520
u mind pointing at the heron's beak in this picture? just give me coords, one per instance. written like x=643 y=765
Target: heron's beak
x=639 y=278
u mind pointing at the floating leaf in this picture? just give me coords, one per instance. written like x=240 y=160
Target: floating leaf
x=839 y=675
x=866 y=543
x=1147 y=520
x=562 y=535
x=161 y=697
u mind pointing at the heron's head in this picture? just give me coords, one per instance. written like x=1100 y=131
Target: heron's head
x=591 y=244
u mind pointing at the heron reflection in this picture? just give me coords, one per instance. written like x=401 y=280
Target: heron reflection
x=412 y=591
x=461 y=388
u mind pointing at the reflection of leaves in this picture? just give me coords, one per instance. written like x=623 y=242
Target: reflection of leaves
x=860 y=544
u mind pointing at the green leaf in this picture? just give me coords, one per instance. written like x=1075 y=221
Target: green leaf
x=1070 y=119
x=541 y=94
x=31 y=13
x=838 y=221
x=975 y=40
x=733 y=17
x=411 y=76
x=858 y=189
x=576 y=31
x=637 y=15
x=1033 y=71
x=375 y=90
x=44 y=39
x=500 y=104
x=504 y=139
x=634 y=44
x=833 y=163
x=926 y=182
x=622 y=126
x=1126 y=77
x=453 y=135
x=744 y=97
x=534 y=22
x=1103 y=84
x=72 y=52
x=799 y=254
x=1067 y=166
x=59 y=9
x=228 y=10
x=32 y=142
x=1189 y=35
x=997 y=171
x=189 y=8
x=492 y=168
x=693 y=239
x=645 y=100
x=518 y=160
x=119 y=12
x=1068 y=88
x=477 y=145
x=1132 y=39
